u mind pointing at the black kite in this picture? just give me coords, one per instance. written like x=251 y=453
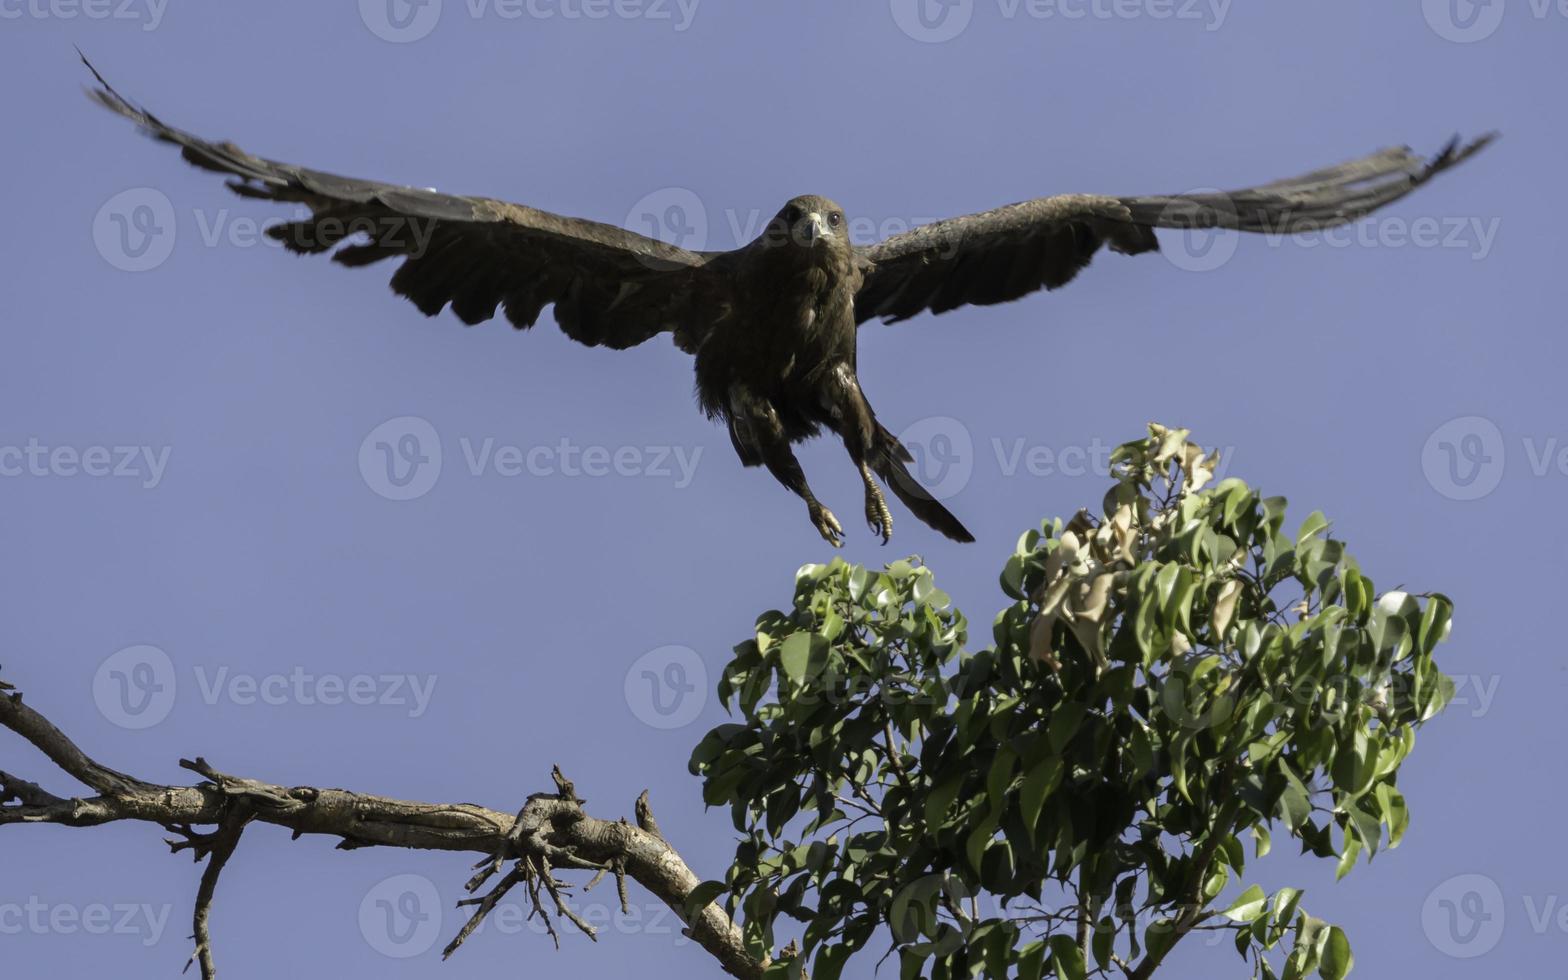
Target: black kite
x=772 y=324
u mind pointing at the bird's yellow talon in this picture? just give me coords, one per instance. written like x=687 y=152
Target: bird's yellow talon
x=827 y=525
x=878 y=517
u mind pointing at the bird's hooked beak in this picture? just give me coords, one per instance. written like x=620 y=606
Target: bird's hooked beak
x=814 y=228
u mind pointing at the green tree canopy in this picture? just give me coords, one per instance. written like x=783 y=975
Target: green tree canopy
x=1171 y=685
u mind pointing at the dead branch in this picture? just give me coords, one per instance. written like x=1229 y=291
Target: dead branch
x=551 y=833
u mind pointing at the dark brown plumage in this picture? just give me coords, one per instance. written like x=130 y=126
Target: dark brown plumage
x=772 y=325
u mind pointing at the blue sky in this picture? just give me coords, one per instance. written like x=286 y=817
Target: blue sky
x=251 y=587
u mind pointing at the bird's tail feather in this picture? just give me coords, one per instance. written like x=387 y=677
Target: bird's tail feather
x=888 y=460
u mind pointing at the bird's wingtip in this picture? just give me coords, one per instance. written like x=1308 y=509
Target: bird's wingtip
x=1458 y=151
x=97 y=75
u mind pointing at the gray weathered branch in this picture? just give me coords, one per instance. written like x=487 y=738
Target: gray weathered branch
x=551 y=833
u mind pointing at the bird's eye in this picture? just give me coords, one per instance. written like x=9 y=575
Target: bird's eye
x=835 y=218
x=792 y=214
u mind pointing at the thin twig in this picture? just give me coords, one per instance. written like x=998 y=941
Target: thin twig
x=219 y=846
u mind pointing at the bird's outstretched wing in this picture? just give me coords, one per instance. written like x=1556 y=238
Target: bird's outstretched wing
x=609 y=286
x=1000 y=255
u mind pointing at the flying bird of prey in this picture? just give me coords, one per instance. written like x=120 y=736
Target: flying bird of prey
x=771 y=325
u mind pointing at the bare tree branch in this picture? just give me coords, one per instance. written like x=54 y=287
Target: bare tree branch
x=26 y=793
x=217 y=848
x=551 y=832
x=1194 y=911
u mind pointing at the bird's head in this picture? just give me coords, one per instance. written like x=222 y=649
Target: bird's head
x=809 y=222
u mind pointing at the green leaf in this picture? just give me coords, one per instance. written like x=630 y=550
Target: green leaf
x=921 y=893
x=1310 y=527
x=1179 y=763
x=1281 y=912
x=940 y=799
x=1395 y=812
x=1001 y=775
x=1311 y=935
x=1218 y=877
x=1160 y=936
x=859 y=579
x=979 y=838
x=829 y=962
x=1165 y=583
x=1013 y=576
x=1031 y=961
x=1434 y=622
x=1038 y=784
x=795 y=654
x=1247 y=907
x=1337 y=961
x=1355 y=764
x=1296 y=964
x=1068 y=958
x=1065 y=719
x=1104 y=942
x=702 y=896
x=1347 y=856
x=1294 y=804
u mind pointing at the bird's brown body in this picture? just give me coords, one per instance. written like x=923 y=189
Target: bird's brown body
x=781 y=348
x=773 y=324
x=778 y=364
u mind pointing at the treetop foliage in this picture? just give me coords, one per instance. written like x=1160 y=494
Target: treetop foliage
x=1171 y=685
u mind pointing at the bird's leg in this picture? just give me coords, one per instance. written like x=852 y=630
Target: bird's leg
x=764 y=432
x=877 y=515
x=851 y=417
x=781 y=462
x=789 y=473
